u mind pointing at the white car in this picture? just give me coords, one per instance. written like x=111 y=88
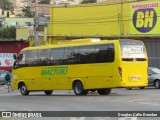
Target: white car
x=154 y=77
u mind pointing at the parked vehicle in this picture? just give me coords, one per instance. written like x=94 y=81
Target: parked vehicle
x=153 y=78
x=2 y=77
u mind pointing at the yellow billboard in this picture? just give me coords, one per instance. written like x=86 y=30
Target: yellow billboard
x=95 y=20
x=144 y=18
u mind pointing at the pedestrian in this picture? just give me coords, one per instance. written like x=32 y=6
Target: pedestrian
x=8 y=78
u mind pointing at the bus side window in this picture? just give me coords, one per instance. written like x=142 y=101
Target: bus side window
x=106 y=53
x=70 y=55
x=31 y=58
x=44 y=57
x=86 y=54
x=57 y=56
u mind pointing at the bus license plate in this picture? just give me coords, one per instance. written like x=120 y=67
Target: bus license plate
x=134 y=78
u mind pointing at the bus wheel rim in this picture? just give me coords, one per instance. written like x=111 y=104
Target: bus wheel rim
x=23 y=89
x=78 y=88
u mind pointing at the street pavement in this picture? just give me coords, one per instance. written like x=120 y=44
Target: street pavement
x=119 y=100
x=3 y=86
x=4 y=91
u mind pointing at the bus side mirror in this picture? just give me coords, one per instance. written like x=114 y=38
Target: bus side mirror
x=14 y=64
x=14 y=56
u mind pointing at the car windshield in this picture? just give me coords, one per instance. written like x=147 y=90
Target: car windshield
x=155 y=70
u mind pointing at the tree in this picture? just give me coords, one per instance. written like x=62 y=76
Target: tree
x=88 y=1
x=8 y=32
x=27 y=12
x=5 y=4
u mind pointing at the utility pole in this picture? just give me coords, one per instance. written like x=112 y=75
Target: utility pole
x=36 y=42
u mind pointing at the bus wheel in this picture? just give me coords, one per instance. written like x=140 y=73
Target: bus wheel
x=23 y=89
x=78 y=89
x=141 y=87
x=104 y=91
x=48 y=92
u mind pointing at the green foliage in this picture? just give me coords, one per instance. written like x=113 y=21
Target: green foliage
x=8 y=33
x=5 y=4
x=88 y=1
x=28 y=13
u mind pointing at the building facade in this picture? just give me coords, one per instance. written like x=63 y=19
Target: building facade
x=19 y=22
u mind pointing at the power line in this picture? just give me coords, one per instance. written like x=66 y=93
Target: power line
x=86 y=21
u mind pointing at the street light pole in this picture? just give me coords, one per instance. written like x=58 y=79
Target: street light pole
x=36 y=42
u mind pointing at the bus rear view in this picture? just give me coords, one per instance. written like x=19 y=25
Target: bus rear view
x=134 y=64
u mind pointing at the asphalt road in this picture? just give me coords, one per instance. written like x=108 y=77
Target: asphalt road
x=120 y=99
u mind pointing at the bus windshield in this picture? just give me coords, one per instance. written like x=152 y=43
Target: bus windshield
x=132 y=50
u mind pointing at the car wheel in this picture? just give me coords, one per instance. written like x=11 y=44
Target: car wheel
x=157 y=84
x=48 y=92
x=78 y=88
x=104 y=91
x=23 y=89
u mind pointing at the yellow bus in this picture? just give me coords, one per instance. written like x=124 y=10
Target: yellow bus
x=81 y=65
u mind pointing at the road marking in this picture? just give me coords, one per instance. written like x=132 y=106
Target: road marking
x=150 y=104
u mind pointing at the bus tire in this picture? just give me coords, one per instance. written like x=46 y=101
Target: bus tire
x=105 y=91
x=142 y=87
x=48 y=92
x=23 y=89
x=78 y=88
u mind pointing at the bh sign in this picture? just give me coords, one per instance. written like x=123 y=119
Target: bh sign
x=144 y=20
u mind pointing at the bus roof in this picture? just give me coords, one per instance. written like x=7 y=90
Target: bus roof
x=67 y=43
